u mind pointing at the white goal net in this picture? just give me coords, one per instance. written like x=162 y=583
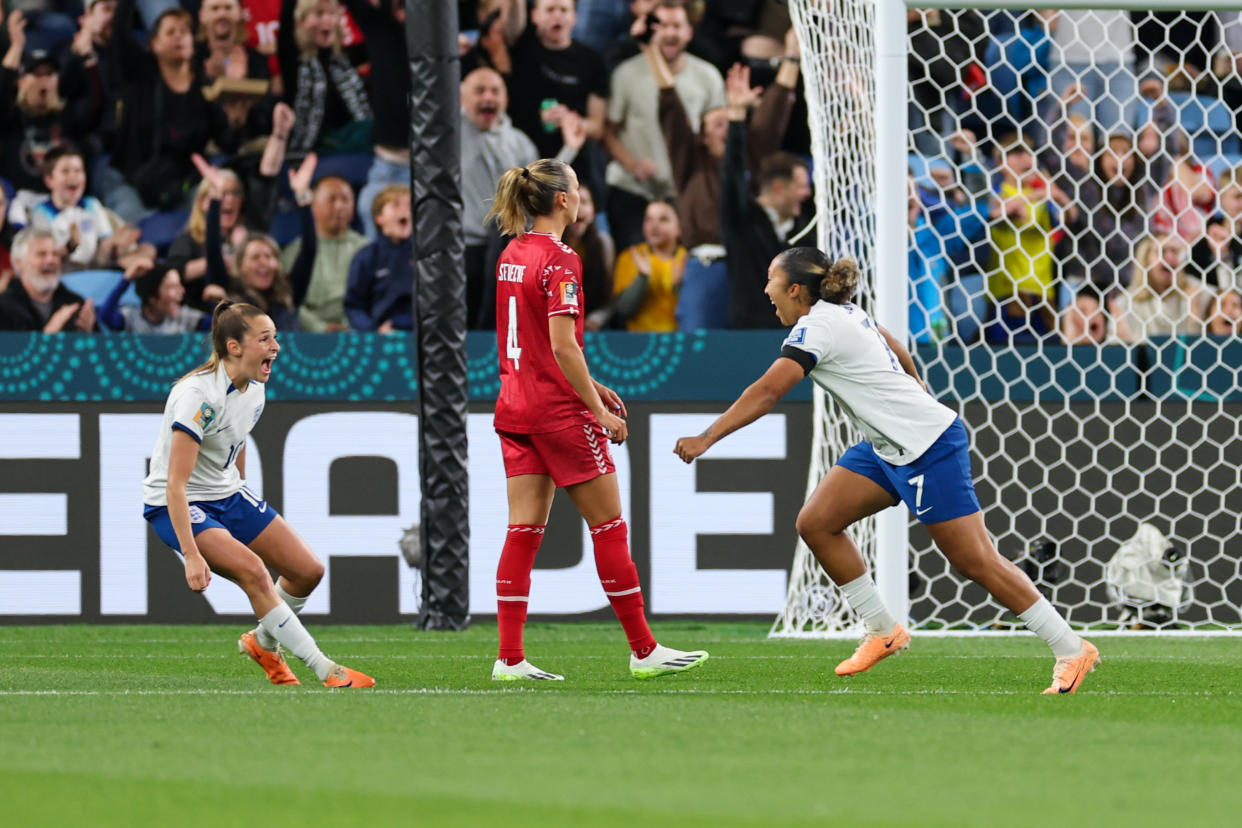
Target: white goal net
x=1073 y=228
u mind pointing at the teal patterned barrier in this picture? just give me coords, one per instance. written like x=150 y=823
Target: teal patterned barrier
x=369 y=367
x=702 y=366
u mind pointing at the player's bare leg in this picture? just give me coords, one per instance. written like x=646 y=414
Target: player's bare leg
x=841 y=499
x=968 y=546
x=599 y=502
x=233 y=560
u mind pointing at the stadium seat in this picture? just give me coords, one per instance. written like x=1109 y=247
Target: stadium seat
x=93 y=284
x=353 y=167
x=285 y=226
x=967 y=303
x=1218 y=164
x=161 y=228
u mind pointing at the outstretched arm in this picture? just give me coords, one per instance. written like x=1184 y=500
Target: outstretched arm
x=755 y=401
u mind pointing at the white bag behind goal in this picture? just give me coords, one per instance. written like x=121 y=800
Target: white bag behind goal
x=1135 y=183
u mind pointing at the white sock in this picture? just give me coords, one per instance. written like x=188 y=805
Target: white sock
x=1042 y=619
x=262 y=636
x=864 y=598
x=285 y=627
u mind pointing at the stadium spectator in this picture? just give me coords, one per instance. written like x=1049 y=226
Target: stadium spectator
x=35 y=300
x=1162 y=299
x=1187 y=199
x=88 y=70
x=600 y=22
x=49 y=23
x=188 y=252
x=1018 y=62
x=1022 y=279
x=321 y=307
x=379 y=295
x=695 y=161
x=6 y=241
x=551 y=73
x=221 y=51
x=949 y=228
x=164 y=117
x=326 y=92
x=34 y=117
x=501 y=22
x=261 y=279
x=1216 y=259
x=161 y=293
x=222 y=55
x=1084 y=321
x=648 y=276
x=755 y=228
x=383 y=25
x=1111 y=214
x=80 y=223
x=598 y=255
x=493 y=145
x=640 y=169
x=1226 y=314
x=944 y=56
x=1095 y=52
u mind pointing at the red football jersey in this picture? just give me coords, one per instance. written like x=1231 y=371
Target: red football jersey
x=537 y=277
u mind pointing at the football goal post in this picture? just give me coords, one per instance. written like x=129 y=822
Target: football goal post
x=1047 y=204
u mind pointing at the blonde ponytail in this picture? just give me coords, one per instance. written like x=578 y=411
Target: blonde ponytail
x=526 y=192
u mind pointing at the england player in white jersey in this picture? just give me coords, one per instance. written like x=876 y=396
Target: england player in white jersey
x=915 y=451
x=195 y=500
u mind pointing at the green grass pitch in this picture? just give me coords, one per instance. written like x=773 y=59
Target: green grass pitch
x=135 y=726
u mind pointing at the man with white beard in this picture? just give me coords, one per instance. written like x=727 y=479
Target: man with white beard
x=36 y=300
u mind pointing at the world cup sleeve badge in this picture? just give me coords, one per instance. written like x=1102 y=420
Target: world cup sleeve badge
x=569 y=294
x=205 y=416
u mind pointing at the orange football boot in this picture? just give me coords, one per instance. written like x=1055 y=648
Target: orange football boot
x=342 y=677
x=273 y=663
x=1071 y=670
x=873 y=649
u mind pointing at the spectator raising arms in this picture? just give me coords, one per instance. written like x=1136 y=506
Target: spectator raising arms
x=648 y=275
x=33 y=116
x=380 y=293
x=35 y=300
x=641 y=170
x=332 y=207
x=260 y=280
x=695 y=160
x=755 y=228
x=326 y=92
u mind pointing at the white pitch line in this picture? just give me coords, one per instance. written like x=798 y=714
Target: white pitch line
x=443 y=691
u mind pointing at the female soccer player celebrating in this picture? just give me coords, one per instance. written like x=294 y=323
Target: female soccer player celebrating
x=917 y=451
x=552 y=419
x=197 y=504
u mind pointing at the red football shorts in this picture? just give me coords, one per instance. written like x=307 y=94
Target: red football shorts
x=570 y=456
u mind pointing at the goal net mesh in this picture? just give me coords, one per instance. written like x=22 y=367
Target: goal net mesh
x=1074 y=237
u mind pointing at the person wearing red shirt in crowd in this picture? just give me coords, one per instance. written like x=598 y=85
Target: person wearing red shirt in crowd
x=552 y=418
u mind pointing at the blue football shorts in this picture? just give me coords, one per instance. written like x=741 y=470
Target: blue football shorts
x=243 y=515
x=936 y=487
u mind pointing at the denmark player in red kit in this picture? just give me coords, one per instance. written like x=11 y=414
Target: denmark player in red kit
x=554 y=421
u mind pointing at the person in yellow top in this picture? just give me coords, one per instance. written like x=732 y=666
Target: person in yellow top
x=1022 y=281
x=647 y=276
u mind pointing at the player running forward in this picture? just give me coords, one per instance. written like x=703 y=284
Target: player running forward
x=197 y=504
x=917 y=451
x=554 y=421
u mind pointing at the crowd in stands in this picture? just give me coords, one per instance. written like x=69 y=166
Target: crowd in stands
x=1072 y=178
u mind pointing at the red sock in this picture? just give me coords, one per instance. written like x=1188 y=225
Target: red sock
x=620 y=581
x=513 y=588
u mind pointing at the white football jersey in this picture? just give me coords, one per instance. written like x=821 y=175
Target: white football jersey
x=208 y=408
x=850 y=359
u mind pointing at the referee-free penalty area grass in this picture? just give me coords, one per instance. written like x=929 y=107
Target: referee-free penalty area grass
x=153 y=725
